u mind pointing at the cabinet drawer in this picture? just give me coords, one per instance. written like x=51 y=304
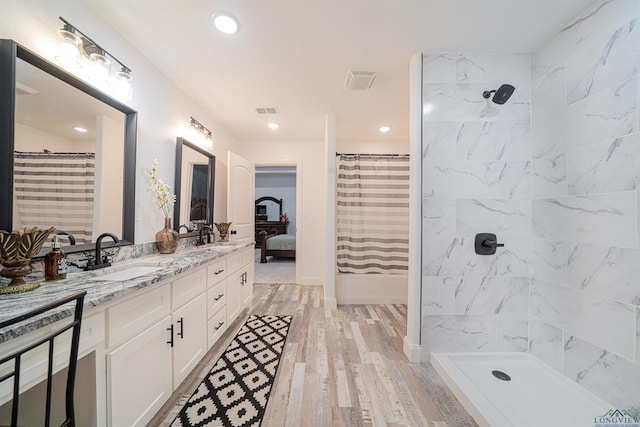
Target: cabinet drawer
x=234 y=262
x=216 y=327
x=188 y=287
x=138 y=313
x=247 y=256
x=216 y=272
x=216 y=298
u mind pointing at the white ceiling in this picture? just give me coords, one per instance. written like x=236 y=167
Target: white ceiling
x=295 y=54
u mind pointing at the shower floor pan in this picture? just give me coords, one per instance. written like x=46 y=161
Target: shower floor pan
x=535 y=395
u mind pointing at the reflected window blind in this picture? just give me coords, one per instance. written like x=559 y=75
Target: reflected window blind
x=55 y=190
x=372 y=213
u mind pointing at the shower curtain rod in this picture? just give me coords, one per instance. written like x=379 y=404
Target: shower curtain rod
x=372 y=155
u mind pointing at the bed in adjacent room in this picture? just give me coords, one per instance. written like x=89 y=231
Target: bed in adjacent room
x=278 y=245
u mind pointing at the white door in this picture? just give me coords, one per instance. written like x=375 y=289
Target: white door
x=240 y=198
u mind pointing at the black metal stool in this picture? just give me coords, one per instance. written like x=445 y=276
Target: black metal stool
x=16 y=357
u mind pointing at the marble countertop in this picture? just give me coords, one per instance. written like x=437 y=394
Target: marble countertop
x=103 y=291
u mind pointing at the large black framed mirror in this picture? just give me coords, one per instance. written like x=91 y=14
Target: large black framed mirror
x=40 y=104
x=194 y=186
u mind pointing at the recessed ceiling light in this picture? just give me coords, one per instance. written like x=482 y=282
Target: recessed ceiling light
x=273 y=126
x=80 y=129
x=225 y=22
x=384 y=129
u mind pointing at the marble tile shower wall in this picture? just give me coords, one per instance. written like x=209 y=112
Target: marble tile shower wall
x=476 y=178
x=585 y=252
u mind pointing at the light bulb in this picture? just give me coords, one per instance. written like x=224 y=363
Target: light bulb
x=68 y=47
x=100 y=69
x=123 y=87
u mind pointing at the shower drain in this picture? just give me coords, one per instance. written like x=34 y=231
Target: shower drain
x=501 y=375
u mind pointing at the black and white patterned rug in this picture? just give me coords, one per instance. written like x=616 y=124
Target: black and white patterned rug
x=235 y=392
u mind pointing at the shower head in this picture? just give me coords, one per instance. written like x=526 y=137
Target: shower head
x=501 y=95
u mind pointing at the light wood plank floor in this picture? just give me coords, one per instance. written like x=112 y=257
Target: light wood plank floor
x=341 y=367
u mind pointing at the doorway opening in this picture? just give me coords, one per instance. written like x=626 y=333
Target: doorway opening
x=276 y=224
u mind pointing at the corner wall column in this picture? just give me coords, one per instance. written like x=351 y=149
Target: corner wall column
x=411 y=342
x=330 y=300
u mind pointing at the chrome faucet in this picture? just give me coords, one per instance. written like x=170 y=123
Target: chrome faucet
x=201 y=241
x=99 y=263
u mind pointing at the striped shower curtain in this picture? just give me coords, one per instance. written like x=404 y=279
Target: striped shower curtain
x=55 y=190
x=372 y=213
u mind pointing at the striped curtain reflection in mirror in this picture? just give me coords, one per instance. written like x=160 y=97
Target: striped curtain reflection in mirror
x=372 y=213
x=55 y=190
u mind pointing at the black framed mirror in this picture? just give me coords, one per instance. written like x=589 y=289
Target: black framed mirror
x=194 y=186
x=39 y=102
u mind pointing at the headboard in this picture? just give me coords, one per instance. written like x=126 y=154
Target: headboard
x=271 y=199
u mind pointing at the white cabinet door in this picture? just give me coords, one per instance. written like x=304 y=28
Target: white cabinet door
x=189 y=337
x=234 y=295
x=140 y=378
x=247 y=287
x=240 y=198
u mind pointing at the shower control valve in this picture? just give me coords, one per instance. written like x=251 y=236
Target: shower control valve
x=486 y=244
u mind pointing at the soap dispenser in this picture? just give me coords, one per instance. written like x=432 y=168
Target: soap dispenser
x=55 y=262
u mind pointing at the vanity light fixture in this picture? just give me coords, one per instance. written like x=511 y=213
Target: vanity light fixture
x=273 y=126
x=225 y=22
x=202 y=132
x=80 y=129
x=384 y=129
x=84 y=57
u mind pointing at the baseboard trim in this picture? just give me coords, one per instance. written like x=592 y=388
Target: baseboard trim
x=330 y=303
x=411 y=350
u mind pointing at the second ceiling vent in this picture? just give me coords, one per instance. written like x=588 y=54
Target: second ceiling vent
x=360 y=79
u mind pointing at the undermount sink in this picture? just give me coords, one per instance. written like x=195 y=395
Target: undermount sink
x=127 y=272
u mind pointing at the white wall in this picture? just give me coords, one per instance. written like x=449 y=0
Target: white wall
x=585 y=251
x=373 y=147
x=32 y=139
x=311 y=223
x=163 y=110
x=475 y=179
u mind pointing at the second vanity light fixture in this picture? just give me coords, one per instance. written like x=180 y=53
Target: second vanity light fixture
x=201 y=131
x=79 y=54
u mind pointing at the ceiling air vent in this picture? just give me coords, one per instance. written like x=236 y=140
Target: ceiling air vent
x=267 y=110
x=360 y=80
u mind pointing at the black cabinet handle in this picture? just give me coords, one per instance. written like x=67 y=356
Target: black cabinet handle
x=218 y=326
x=218 y=272
x=233 y=232
x=170 y=329
x=181 y=333
x=218 y=297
